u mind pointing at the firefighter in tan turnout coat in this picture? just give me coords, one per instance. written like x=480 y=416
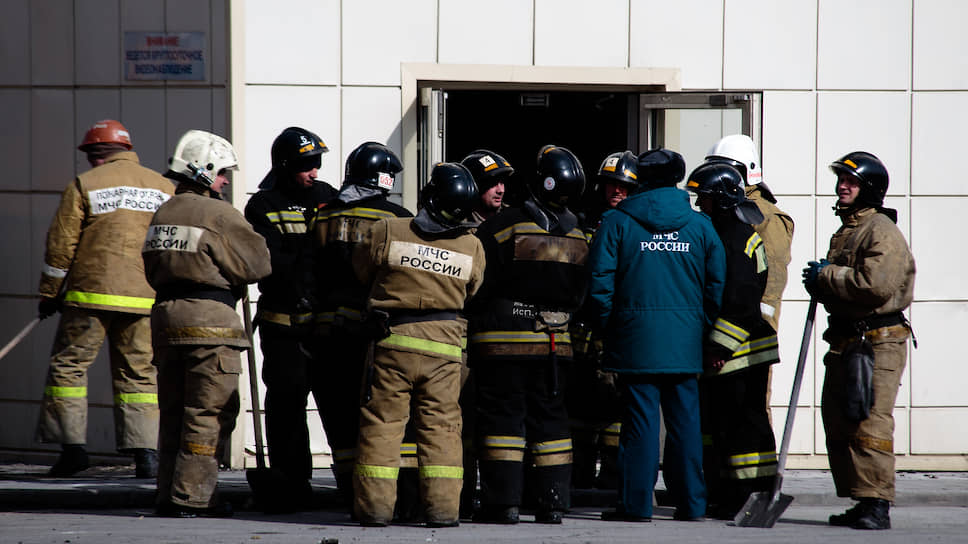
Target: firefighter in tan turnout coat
x=93 y=273
x=199 y=254
x=865 y=283
x=421 y=272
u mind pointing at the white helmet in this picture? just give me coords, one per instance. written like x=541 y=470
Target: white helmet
x=740 y=151
x=201 y=155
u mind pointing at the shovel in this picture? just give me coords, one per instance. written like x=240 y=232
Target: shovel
x=266 y=483
x=763 y=508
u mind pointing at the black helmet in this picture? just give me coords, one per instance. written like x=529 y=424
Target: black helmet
x=660 y=168
x=297 y=150
x=620 y=167
x=294 y=150
x=560 y=177
x=488 y=168
x=724 y=184
x=451 y=193
x=871 y=173
x=372 y=164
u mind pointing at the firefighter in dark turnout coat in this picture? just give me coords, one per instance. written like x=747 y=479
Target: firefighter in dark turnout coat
x=345 y=222
x=284 y=212
x=534 y=279
x=740 y=450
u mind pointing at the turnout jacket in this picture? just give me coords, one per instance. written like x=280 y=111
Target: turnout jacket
x=740 y=332
x=871 y=273
x=657 y=270
x=529 y=270
x=421 y=281
x=94 y=241
x=339 y=228
x=285 y=216
x=199 y=254
x=776 y=230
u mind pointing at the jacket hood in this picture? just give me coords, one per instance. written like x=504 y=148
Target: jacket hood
x=659 y=210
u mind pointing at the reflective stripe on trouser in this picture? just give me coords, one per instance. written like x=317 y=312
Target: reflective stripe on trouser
x=740 y=454
x=80 y=334
x=861 y=455
x=432 y=386
x=198 y=387
x=518 y=413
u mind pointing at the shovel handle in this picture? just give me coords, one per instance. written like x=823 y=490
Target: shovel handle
x=260 y=459
x=795 y=394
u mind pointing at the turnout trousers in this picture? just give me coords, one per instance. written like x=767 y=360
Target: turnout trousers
x=198 y=387
x=290 y=373
x=861 y=455
x=638 y=449
x=401 y=382
x=80 y=334
x=740 y=449
x=342 y=356
x=519 y=413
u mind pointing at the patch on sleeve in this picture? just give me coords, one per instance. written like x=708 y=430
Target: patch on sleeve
x=431 y=259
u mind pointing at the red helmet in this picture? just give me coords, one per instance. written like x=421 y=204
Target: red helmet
x=107 y=131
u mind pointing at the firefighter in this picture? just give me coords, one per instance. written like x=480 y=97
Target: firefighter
x=93 y=274
x=345 y=222
x=657 y=269
x=421 y=272
x=284 y=212
x=740 y=450
x=533 y=281
x=592 y=396
x=865 y=283
x=492 y=174
x=199 y=255
x=776 y=229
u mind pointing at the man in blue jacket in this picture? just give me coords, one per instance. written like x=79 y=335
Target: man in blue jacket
x=657 y=274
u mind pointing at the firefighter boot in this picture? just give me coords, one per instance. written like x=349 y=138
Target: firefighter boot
x=874 y=515
x=72 y=460
x=145 y=463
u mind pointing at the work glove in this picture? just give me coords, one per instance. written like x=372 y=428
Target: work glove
x=48 y=306
x=810 y=274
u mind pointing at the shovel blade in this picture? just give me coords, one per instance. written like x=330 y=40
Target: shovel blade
x=762 y=509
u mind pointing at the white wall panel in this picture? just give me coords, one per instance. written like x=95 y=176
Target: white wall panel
x=371 y=114
x=937 y=373
x=14 y=142
x=802 y=209
x=876 y=122
x=97 y=46
x=271 y=109
x=864 y=44
x=793 y=316
x=789 y=141
x=938 y=133
x=801 y=441
x=938 y=225
x=295 y=42
x=15 y=43
x=940 y=43
x=380 y=34
x=581 y=33
x=15 y=274
x=51 y=42
x=937 y=431
x=485 y=32
x=768 y=44
x=143 y=110
x=52 y=139
x=656 y=24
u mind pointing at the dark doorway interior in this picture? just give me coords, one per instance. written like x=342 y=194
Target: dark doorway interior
x=517 y=124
